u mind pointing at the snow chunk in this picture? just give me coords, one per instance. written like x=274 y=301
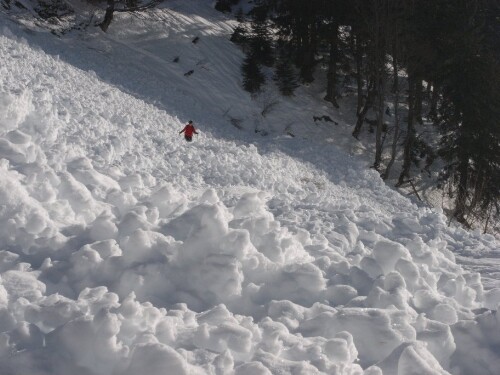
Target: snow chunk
x=156 y=359
x=387 y=254
x=22 y=284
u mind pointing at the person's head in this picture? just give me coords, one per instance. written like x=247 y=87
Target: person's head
x=190 y=121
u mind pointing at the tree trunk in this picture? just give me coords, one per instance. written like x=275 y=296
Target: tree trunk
x=418 y=100
x=380 y=120
x=362 y=114
x=394 y=146
x=410 y=135
x=461 y=200
x=381 y=37
x=308 y=52
x=359 y=75
x=331 y=89
x=108 y=16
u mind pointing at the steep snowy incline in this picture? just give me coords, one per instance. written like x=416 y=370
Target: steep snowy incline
x=125 y=250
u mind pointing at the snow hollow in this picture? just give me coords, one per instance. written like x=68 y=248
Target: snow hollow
x=125 y=250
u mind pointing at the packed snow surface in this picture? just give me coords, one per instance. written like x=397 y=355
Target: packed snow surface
x=125 y=250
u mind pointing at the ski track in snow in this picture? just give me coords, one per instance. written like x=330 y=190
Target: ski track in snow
x=125 y=250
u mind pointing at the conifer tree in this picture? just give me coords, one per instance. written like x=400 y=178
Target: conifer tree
x=253 y=78
x=285 y=76
x=260 y=42
x=469 y=113
x=299 y=21
x=334 y=16
x=449 y=52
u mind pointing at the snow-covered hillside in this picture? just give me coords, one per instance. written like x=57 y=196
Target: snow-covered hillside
x=125 y=250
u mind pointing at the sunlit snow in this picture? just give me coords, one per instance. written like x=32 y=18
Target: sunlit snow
x=126 y=250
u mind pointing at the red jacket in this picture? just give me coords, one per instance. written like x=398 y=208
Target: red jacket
x=189 y=130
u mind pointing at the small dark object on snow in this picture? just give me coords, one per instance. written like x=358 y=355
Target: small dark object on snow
x=324 y=118
x=372 y=123
x=223 y=6
x=261 y=132
x=188 y=73
x=195 y=40
x=176 y=59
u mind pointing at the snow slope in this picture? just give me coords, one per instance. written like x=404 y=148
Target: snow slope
x=124 y=250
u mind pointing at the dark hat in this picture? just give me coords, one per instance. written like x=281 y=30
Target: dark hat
x=190 y=121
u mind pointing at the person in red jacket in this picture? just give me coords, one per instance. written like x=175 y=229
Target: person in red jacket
x=188 y=131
